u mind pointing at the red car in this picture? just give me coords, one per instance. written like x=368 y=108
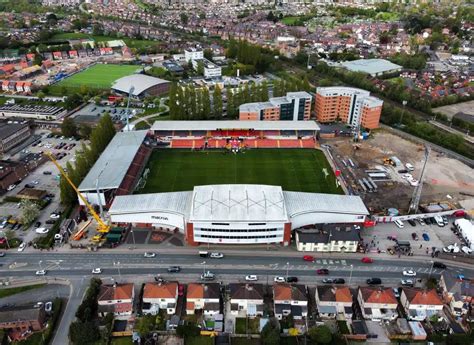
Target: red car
x=180 y=290
x=367 y=260
x=322 y=272
x=308 y=258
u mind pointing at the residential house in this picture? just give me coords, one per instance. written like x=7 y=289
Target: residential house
x=458 y=293
x=117 y=299
x=246 y=299
x=420 y=304
x=203 y=296
x=329 y=238
x=377 y=303
x=290 y=299
x=22 y=322
x=158 y=296
x=334 y=301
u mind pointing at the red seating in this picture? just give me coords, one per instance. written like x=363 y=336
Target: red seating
x=291 y=143
x=182 y=143
x=267 y=143
x=307 y=143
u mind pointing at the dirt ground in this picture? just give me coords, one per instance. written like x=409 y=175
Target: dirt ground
x=445 y=178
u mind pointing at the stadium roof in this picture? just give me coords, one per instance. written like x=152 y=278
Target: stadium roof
x=114 y=162
x=300 y=203
x=140 y=82
x=238 y=202
x=231 y=124
x=176 y=202
x=371 y=66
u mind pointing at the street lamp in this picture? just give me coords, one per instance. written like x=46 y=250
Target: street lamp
x=39 y=264
x=118 y=269
x=431 y=269
x=350 y=275
x=287 y=268
x=133 y=238
x=403 y=112
x=204 y=268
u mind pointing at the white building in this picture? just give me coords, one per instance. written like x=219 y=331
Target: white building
x=246 y=299
x=192 y=54
x=211 y=70
x=157 y=296
x=290 y=299
x=116 y=299
x=329 y=238
x=421 y=304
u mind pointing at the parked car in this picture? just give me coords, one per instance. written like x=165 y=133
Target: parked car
x=41 y=230
x=208 y=276
x=466 y=250
x=374 y=281
x=339 y=281
x=308 y=258
x=41 y=273
x=37 y=224
x=97 y=270
x=2 y=254
x=399 y=223
x=279 y=279
x=421 y=221
x=292 y=279
x=251 y=278
x=425 y=236
x=409 y=273
x=50 y=221
x=439 y=221
x=29 y=185
x=22 y=246
x=411 y=222
x=414 y=236
x=174 y=269
x=47 y=172
x=367 y=260
x=438 y=264
x=216 y=255
x=322 y=271
x=11 y=187
x=149 y=255
x=407 y=282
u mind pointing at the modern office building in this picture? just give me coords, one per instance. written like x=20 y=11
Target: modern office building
x=191 y=54
x=210 y=69
x=294 y=106
x=353 y=106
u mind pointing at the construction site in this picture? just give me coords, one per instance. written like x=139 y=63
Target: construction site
x=385 y=169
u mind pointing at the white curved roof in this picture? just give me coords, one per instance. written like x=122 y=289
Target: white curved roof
x=140 y=82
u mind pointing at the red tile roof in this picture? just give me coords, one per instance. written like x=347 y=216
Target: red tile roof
x=160 y=290
x=378 y=295
x=422 y=297
x=115 y=292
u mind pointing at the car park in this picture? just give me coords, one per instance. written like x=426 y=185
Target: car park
x=216 y=255
x=97 y=270
x=149 y=255
x=322 y=271
x=374 y=281
x=425 y=236
x=409 y=273
x=279 y=279
x=251 y=278
x=40 y=272
x=367 y=260
x=308 y=258
x=411 y=222
x=174 y=269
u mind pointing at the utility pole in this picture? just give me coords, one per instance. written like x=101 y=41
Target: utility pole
x=403 y=112
x=127 y=112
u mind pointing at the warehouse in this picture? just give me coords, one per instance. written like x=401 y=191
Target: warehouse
x=374 y=67
x=236 y=214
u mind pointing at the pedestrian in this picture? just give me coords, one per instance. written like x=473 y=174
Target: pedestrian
x=421 y=246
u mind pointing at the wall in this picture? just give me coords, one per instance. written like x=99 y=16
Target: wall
x=172 y=220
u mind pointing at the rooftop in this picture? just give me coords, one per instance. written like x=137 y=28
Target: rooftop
x=246 y=291
x=238 y=202
x=422 y=297
x=160 y=290
x=328 y=293
x=114 y=162
x=7 y=130
x=140 y=82
x=115 y=292
x=378 y=295
x=204 y=290
x=233 y=124
x=370 y=66
x=20 y=314
x=289 y=292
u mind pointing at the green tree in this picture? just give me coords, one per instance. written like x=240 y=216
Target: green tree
x=145 y=325
x=29 y=211
x=231 y=107
x=270 y=334
x=320 y=335
x=83 y=333
x=184 y=18
x=263 y=91
x=172 y=103
x=41 y=95
x=217 y=102
x=188 y=331
x=208 y=54
x=68 y=127
x=200 y=68
x=67 y=194
x=84 y=131
x=206 y=104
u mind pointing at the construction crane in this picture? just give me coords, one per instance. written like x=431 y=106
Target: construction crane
x=102 y=227
x=415 y=199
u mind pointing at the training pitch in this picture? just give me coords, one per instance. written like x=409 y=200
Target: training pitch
x=293 y=169
x=98 y=76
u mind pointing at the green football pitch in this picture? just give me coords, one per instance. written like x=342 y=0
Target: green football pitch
x=293 y=169
x=98 y=76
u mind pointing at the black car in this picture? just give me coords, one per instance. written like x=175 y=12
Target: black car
x=339 y=281
x=37 y=224
x=291 y=279
x=50 y=221
x=427 y=221
x=29 y=185
x=438 y=264
x=174 y=269
x=374 y=281
x=411 y=222
x=47 y=172
x=2 y=254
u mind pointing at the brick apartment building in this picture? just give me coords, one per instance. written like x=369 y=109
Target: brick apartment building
x=22 y=322
x=294 y=106
x=11 y=173
x=349 y=105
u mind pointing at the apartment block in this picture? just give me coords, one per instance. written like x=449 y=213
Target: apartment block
x=210 y=69
x=191 y=54
x=294 y=106
x=353 y=106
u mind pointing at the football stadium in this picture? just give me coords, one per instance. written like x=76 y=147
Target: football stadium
x=221 y=182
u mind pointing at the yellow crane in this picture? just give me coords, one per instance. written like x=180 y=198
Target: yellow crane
x=102 y=227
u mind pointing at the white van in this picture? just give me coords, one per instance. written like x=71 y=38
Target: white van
x=439 y=220
x=399 y=223
x=409 y=167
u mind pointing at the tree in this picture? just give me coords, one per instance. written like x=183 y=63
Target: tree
x=206 y=103
x=38 y=59
x=84 y=131
x=320 y=335
x=263 y=91
x=189 y=330
x=270 y=334
x=200 y=68
x=68 y=127
x=145 y=325
x=30 y=211
x=41 y=95
x=184 y=18
x=217 y=102
x=208 y=54
x=83 y=333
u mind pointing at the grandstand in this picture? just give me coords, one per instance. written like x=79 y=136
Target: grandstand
x=251 y=134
